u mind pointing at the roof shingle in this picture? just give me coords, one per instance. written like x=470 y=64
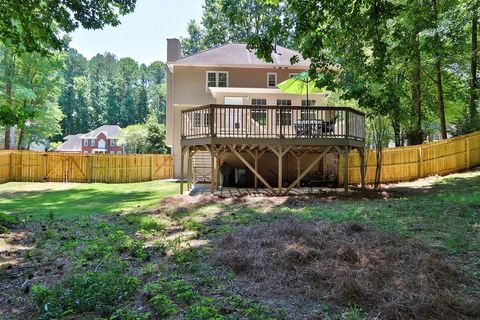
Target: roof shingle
x=238 y=54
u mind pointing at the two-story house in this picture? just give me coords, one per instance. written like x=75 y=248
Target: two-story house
x=104 y=139
x=229 y=95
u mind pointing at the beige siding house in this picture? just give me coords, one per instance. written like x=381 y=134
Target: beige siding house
x=230 y=75
x=223 y=106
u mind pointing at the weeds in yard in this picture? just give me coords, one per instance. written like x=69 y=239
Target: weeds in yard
x=93 y=291
x=6 y=222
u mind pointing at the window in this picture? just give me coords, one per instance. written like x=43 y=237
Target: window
x=291 y=75
x=217 y=79
x=259 y=102
x=259 y=114
x=201 y=119
x=284 y=116
x=311 y=103
x=92 y=142
x=85 y=151
x=112 y=152
x=271 y=79
x=284 y=102
x=112 y=143
x=85 y=142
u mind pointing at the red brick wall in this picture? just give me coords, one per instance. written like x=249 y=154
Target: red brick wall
x=108 y=148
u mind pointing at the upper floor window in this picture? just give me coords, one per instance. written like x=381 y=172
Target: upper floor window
x=271 y=79
x=112 y=143
x=85 y=142
x=92 y=142
x=217 y=79
x=291 y=75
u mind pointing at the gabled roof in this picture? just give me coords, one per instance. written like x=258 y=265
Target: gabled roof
x=110 y=131
x=237 y=54
x=72 y=144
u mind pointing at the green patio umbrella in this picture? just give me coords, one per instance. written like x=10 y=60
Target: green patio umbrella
x=300 y=84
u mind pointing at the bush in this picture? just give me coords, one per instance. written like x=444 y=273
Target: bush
x=162 y=305
x=6 y=222
x=97 y=292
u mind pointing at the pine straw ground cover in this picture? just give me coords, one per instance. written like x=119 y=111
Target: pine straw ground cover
x=387 y=276
x=362 y=255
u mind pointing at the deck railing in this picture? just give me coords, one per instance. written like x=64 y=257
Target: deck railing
x=289 y=122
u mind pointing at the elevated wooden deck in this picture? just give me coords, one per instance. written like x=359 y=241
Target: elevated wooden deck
x=277 y=125
x=253 y=130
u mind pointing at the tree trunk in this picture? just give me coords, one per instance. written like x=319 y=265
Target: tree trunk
x=21 y=137
x=416 y=136
x=473 y=67
x=397 y=133
x=9 y=66
x=438 y=73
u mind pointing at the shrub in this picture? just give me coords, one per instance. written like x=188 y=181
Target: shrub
x=128 y=314
x=203 y=310
x=97 y=292
x=162 y=305
x=6 y=221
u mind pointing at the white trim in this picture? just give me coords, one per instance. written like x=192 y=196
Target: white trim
x=217 y=72
x=85 y=142
x=292 y=74
x=268 y=79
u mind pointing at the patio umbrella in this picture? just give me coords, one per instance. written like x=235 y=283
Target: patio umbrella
x=300 y=84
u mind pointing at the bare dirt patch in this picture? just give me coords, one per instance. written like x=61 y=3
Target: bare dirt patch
x=346 y=264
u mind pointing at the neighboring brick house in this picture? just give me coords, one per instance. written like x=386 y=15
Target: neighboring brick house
x=101 y=140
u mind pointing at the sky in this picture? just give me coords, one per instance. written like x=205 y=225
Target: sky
x=143 y=34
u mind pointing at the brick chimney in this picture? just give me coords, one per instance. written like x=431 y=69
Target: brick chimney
x=174 y=49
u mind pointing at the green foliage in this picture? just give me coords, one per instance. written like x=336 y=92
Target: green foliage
x=6 y=220
x=134 y=137
x=204 y=310
x=155 y=142
x=93 y=291
x=162 y=305
x=128 y=314
x=36 y=27
x=195 y=226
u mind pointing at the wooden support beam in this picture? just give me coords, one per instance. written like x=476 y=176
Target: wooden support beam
x=182 y=165
x=345 y=168
x=280 y=169
x=363 y=167
x=255 y=172
x=307 y=170
x=212 y=169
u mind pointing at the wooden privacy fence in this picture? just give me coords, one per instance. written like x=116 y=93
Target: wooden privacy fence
x=413 y=162
x=68 y=167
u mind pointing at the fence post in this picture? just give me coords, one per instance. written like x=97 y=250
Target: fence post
x=10 y=167
x=467 y=153
x=45 y=167
x=420 y=161
x=151 y=167
x=89 y=169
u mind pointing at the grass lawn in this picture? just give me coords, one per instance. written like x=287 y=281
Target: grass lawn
x=38 y=200
x=134 y=252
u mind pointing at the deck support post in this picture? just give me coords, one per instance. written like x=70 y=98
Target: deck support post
x=363 y=167
x=212 y=168
x=217 y=176
x=280 y=152
x=182 y=166
x=307 y=170
x=255 y=182
x=280 y=170
x=345 y=168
